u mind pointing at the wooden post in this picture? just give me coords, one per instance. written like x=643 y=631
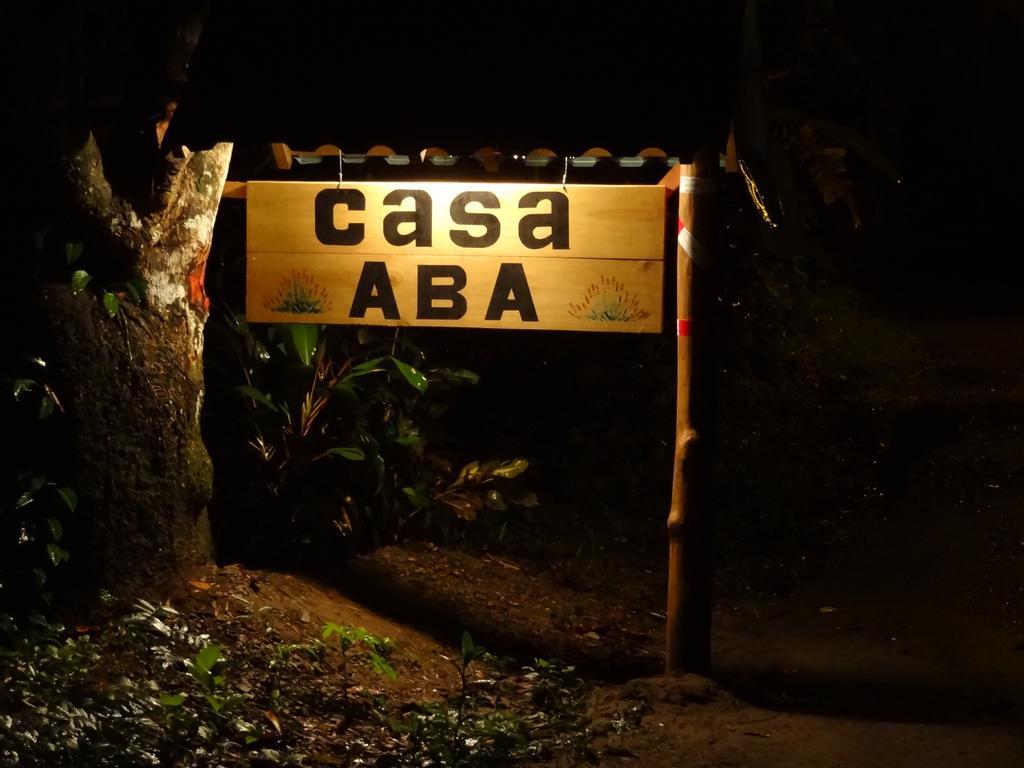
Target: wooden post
x=688 y=632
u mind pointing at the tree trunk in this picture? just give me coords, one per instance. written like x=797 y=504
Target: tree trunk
x=93 y=86
x=132 y=383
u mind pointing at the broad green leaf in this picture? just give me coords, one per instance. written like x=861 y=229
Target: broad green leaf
x=494 y=500
x=379 y=468
x=467 y=472
x=207 y=658
x=21 y=386
x=173 y=699
x=137 y=289
x=69 y=497
x=283 y=410
x=463 y=506
x=304 y=338
x=346 y=391
x=45 y=407
x=511 y=468
x=72 y=251
x=111 y=303
x=216 y=702
x=39 y=576
x=413 y=376
x=352 y=454
x=25 y=499
x=254 y=394
x=79 y=279
x=56 y=554
x=409 y=440
x=417 y=497
x=458 y=374
x=56 y=529
x=381 y=666
x=368 y=366
x=380 y=645
x=525 y=500
x=470 y=650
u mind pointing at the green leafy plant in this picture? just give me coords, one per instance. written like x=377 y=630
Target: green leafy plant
x=559 y=693
x=470 y=652
x=207 y=672
x=285 y=654
x=51 y=712
x=475 y=503
x=470 y=732
x=34 y=509
x=486 y=484
x=377 y=650
x=113 y=294
x=289 y=659
x=340 y=422
x=215 y=715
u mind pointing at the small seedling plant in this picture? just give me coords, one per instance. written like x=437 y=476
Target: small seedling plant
x=470 y=652
x=206 y=669
x=467 y=732
x=377 y=652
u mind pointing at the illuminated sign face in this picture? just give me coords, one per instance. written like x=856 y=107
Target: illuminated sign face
x=525 y=256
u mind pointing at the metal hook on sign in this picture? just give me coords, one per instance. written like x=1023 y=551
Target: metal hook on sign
x=565 y=173
x=341 y=169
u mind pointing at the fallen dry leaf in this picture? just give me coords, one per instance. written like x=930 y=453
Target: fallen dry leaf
x=269 y=714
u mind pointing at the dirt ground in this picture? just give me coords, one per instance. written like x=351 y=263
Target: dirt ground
x=907 y=649
x=904 y=649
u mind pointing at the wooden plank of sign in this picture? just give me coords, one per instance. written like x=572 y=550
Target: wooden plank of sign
x=605 y=222
x=621 y=295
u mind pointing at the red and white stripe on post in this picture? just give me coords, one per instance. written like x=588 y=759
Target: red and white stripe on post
x=691 y=185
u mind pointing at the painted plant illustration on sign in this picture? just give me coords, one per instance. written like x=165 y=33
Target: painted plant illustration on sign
x=608 y=301
x=299 y=294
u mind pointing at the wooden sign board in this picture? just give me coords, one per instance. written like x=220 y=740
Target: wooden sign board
x=523 y=256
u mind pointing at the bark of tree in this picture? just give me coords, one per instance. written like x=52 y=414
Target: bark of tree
x=133 y=383
x=95 y=79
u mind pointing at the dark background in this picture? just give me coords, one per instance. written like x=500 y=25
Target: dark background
x=515 y=76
